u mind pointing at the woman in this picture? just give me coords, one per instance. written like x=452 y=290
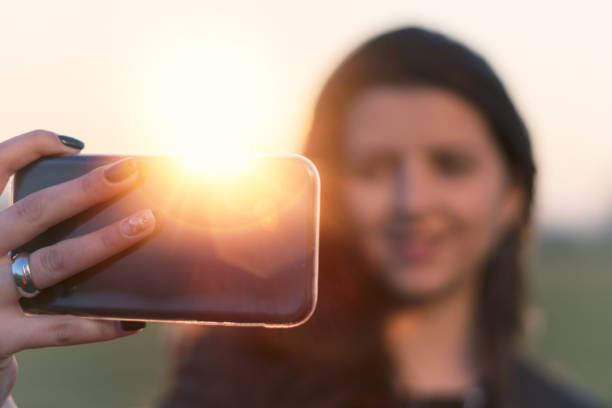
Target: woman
x=427 y=186
x=427 y=177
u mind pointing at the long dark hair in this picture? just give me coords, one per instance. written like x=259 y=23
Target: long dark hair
x=336 y=358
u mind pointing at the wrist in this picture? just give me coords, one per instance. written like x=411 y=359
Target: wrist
x=9 y=403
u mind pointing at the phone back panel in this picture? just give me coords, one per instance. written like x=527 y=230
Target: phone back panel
x=239 y=249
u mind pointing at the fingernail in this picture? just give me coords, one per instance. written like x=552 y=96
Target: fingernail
x=132 y=326
x=159 y=217
x=121 y=170
x=137 y=223
x=71 y=142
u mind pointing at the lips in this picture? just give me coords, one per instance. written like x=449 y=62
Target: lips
x=412 y=247
x=416 y=251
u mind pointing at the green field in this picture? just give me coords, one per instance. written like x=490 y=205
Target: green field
x=571 y=285
x=570 y=330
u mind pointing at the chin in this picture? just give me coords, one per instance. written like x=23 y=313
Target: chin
x=411 y=285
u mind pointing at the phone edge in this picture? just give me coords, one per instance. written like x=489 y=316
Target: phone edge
x=314 y=283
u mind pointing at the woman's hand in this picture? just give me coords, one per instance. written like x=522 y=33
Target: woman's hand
x=35 y=213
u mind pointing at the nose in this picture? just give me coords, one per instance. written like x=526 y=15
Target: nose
x=412 y=191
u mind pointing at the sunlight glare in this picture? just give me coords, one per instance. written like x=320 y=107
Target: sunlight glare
x=219 y=166
x=210 y=106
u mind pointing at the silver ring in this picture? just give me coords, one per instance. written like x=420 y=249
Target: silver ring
x=20 y=267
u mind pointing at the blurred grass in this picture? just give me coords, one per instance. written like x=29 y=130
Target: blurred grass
x=570 y=284
x=127 y=372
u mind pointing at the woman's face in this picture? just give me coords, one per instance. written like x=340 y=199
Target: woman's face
x=427 y=188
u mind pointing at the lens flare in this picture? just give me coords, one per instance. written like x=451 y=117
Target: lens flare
x=218 y=166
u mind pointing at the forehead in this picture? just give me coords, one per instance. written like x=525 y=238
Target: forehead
x=403 y=118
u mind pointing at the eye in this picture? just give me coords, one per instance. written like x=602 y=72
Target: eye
x=450 y=163
x=373 y=168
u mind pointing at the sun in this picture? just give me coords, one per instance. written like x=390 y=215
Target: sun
x=215 y=104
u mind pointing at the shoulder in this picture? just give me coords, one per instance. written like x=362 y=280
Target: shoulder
x=536 y=388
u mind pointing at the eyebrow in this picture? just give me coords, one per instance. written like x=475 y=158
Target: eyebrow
x=383 y=154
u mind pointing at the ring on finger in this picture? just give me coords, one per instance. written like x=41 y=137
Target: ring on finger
x=22 y=275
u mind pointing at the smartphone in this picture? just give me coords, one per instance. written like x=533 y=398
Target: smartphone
x=237 y=248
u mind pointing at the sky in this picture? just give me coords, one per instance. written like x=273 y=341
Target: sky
x=211 y=78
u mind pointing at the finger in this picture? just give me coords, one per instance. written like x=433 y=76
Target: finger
x=47 y=331
x=38 y=211
x=53 y=264
x=21 y=150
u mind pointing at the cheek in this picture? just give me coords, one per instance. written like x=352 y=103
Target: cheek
x=368 y=206
x=476 y=208
x=367 y=203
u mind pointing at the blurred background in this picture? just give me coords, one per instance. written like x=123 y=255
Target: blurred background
x=209 y=78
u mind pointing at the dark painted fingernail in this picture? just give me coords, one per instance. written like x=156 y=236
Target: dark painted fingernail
x=71 y=142
x=121 y=170
x=132 y=326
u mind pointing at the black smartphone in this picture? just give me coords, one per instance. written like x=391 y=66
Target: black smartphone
x=239 y=248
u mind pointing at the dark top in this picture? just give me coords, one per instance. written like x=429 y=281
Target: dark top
x=537 y=389
x=218 y=372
